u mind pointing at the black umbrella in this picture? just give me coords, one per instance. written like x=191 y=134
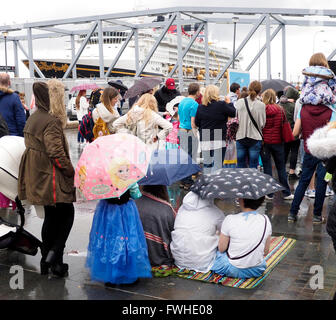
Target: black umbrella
x=141 y=86
x=275 y=84
x=118 y=85
x=235 y=183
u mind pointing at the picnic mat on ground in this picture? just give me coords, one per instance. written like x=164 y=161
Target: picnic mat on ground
x=279 y=247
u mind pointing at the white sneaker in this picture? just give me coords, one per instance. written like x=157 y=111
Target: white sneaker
x=329 y=192
x=268 y=198
x=290 y=197
x=310 y=193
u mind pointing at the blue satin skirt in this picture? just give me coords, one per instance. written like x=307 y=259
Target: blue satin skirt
x=117 y=251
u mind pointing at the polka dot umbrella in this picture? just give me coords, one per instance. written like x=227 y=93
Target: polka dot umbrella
x=235 y=183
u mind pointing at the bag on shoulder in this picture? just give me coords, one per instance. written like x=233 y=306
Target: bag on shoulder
x=4 y=131
x=100 y=129
x=86 y=127
x=286 y=130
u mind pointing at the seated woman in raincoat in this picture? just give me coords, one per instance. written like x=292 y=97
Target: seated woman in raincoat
x=196 y=233
x=244 y=242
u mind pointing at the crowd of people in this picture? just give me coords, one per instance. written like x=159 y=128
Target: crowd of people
x=141 y=229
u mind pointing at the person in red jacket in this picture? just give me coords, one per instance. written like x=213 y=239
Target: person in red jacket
x=273 y=143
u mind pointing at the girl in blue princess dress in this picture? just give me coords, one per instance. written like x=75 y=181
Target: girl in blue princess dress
x=117 y=250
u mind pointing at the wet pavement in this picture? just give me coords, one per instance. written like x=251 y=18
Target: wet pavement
x=293 y=277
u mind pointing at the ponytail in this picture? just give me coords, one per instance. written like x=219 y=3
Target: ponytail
x=254 y=89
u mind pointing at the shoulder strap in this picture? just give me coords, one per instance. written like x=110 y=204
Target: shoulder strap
x=252 y=119
x=246 y=254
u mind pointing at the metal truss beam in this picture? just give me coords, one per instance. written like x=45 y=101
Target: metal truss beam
x=331 y=55
x=192 y=40
x=85 y=31
x=165 y=11
x=119 y=54
x=82 y=47
x=156 y=44
x=255 y=59
x=242 y=45
x=56 y=30
x=27 y=56
x=121 y=23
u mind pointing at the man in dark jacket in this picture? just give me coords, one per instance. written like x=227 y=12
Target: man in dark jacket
x=167 y=93
x=11 y=108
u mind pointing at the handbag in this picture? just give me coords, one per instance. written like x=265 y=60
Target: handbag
x=286 y=130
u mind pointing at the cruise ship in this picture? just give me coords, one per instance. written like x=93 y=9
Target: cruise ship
x=160 y=64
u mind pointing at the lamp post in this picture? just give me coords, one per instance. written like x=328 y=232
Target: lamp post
x=234 y=20
x=5 y=34
x=316 y=33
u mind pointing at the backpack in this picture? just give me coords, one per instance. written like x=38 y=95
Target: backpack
x=100 y=129
x=4 y=131
x=86 y=127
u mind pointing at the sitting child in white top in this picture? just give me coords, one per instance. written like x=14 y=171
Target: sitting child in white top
x=244 y=242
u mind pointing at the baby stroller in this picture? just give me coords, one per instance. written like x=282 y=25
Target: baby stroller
x=13 y=236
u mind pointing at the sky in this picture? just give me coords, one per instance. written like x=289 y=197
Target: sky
x=300 y=40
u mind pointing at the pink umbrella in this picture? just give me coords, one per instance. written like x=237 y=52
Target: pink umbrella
x=110 y=164
x=85 y=86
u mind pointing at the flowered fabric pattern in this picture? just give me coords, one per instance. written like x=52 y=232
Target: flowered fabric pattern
x=319 y=86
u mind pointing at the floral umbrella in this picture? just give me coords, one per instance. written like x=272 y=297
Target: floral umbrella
x=110 y=164
x=85 y=86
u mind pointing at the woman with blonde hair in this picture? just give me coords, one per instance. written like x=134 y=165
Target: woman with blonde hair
x=273 y=142
x=46 y=175
x=143 y=121
x=106 y=109
x=211 y=118
x=82 y=107
x=252 y=117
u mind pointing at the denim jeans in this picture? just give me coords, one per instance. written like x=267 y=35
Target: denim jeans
x=310 y=164
x=244 y=151
x=79 y=136
x=213 y=160
x=189 y=143
x=277 y=152
x=223 y=267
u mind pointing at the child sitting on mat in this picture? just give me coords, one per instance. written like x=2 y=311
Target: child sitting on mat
x=244 y=242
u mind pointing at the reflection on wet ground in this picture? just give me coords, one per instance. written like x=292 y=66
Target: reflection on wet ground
x=291 y=279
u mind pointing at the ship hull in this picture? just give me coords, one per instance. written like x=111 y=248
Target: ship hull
x=55 y=69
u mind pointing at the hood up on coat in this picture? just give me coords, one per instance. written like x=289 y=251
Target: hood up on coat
x=193 y=202
x=291 y=93
x=41 y=94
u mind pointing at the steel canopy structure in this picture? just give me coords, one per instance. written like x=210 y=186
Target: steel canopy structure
x=202 y=16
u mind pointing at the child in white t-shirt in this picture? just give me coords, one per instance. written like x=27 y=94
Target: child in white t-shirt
x=244 y=242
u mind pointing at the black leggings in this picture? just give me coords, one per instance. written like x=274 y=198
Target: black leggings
x=293 y=149
x=56 y=227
